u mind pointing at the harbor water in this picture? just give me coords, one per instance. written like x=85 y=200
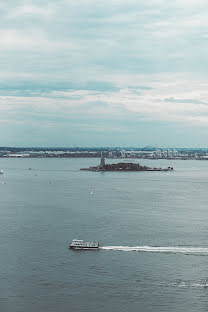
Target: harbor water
x=152 y=227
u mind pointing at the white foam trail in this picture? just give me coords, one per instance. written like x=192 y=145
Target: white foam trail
x=199 y=285
x=177 y=249
x=183 y=284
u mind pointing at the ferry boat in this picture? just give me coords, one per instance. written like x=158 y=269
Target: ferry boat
x=80 y=244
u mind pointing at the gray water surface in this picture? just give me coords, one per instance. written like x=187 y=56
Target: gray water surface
x=153 y=228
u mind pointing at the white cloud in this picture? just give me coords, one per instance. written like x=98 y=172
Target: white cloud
x=173 y=99
x=27 y=9
x=33 y=40
x=142 y=49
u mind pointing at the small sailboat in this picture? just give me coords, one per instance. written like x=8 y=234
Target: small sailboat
x=91 y=193
x=206 y=283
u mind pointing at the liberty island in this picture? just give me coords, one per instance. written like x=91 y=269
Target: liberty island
x=122 y=166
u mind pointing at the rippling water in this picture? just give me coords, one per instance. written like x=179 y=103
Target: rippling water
x=160 y=220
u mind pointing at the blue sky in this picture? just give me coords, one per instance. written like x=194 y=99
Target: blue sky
x=104 y=73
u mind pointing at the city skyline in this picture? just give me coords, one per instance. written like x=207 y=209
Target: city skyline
x=114 y=73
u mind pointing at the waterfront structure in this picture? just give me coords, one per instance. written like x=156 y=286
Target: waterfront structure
x=102 y=160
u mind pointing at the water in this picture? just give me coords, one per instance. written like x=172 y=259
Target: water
x=153 y=227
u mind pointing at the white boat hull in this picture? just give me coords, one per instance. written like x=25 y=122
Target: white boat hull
x=86 y=248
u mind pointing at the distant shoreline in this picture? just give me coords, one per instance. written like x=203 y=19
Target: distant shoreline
x=109 y=153
x=97 y=157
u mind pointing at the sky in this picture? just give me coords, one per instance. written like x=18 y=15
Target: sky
x=104 y=73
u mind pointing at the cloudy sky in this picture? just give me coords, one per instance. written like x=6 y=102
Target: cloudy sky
x=104 y=73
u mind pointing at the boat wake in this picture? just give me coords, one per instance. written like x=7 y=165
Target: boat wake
x=175 y=250
x=184 y=284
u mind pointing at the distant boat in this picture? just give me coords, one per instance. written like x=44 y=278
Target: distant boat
x=1 y=171
x=80 y=244
x=91 y=193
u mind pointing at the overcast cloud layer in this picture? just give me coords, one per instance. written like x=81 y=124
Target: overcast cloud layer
x=108 y=73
